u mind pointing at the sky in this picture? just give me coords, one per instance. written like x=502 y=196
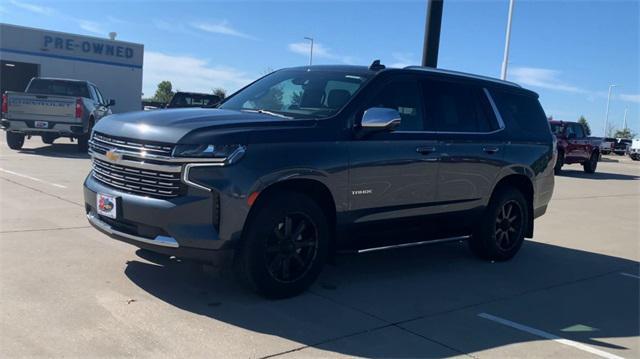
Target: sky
x=569 y=52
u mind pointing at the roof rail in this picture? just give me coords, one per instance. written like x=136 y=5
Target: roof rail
x=462 y=74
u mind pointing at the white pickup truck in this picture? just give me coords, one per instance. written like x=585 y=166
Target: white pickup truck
x=53 y=108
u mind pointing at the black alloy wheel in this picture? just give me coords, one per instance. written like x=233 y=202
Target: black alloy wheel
x=291 y=248
x=509 y=225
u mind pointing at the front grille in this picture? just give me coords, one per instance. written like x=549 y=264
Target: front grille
x=101 y=142
x=137 y=180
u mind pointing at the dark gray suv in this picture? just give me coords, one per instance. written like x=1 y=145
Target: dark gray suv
x=308 y=161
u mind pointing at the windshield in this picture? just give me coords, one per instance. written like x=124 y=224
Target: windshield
x=298 y=93
x=59 y=88
x=557 y=128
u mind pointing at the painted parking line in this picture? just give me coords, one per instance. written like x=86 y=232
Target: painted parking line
x=549 y=336
x=630 y=275
x=31 y=178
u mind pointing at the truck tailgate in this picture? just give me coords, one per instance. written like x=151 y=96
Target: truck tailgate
x=33 y=106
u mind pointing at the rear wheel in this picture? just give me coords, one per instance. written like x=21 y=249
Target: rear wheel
x=591 y=164
x=285 y=245
x=559 y=163
x=501 y=231
x=48 y=138
x=83 y=140
x=15 y=140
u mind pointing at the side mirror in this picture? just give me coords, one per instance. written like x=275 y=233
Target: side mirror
x=111 y=102
x=379 y=118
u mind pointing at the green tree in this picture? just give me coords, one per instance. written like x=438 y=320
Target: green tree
x=625 y=133
x=220 y=92
x=584 y=123
x=164 y=92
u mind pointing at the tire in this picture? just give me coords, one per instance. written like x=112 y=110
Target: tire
x=83 y=141
x=276 y=262
x=635 y=157
x=559 y=163
x=500 y=233
x=15 y=140
x=591 y=165
x=49 y=138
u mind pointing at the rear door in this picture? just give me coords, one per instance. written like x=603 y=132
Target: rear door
x=471 y=142
x=393 y=174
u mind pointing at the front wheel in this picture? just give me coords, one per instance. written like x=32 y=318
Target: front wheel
x=285 y=245
x=500 y=233
x=15 y=140
x=591 y=164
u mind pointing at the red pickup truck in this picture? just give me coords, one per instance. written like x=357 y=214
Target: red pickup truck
x=574 y=146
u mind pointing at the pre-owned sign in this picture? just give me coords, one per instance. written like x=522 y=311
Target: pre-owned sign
x=98 y=48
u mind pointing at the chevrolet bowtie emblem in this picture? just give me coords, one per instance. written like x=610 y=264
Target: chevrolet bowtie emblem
x=113 y=155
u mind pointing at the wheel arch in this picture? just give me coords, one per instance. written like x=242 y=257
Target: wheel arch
x=313 y=188
x=524 y=184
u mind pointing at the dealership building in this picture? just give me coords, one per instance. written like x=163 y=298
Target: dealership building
x=114 y=66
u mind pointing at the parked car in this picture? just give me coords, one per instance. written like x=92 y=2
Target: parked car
x=53 y=108
x=634 y=150
x=574 y=146
x=192 y=99
x=621 y=147
x=606 y=146
x=273 y=185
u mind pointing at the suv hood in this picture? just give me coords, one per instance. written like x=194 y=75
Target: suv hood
x=171 y=126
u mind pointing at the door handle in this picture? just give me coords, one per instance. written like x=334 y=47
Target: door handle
x=425 y=150
x=491 y=149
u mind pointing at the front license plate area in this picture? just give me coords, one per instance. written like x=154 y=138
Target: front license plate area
x=42 y=124
x=107 y=205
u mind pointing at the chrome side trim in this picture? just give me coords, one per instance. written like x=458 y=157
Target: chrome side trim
x=163 y=241
x=413 y=244
x=495 y=108
x=136 y=164
x=189 y=166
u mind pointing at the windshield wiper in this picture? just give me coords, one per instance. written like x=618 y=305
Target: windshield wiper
x=269 y=113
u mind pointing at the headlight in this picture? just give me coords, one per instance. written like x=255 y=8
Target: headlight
x=207 y=151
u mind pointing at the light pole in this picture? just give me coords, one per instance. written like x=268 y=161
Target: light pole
x=311 y=53
x=505 y=58
x=606 y=116
x=432 y=27
x=624 y=120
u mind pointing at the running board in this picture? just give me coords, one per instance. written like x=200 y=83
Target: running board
x=411 y=244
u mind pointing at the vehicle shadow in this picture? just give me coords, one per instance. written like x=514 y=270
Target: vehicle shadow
x=436 y=291
x=596 y=176
x=60 y=150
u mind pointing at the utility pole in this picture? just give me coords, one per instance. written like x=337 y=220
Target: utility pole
x=311 y=52
x=507 y=41
x=606 y=116
x=432 y=27
x=624 y=121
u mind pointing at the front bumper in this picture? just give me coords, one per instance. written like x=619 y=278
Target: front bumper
x=181 y=226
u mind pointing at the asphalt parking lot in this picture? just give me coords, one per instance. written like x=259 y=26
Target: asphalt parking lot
x=67 y=290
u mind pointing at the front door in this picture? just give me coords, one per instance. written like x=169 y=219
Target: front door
x=393 y=174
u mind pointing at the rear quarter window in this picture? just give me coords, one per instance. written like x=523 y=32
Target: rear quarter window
x=522 y=114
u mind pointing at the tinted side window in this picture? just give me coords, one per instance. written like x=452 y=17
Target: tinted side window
x=100 y=98
x=404 y=96
x=456 y=107
x=579 y=130
x=522 y=112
